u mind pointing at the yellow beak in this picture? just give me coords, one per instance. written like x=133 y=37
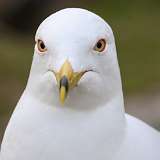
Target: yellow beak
x=67 y=79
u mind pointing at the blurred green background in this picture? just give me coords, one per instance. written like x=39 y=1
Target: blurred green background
x=136 y=25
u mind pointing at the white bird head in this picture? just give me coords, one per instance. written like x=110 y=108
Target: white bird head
x=75 y=61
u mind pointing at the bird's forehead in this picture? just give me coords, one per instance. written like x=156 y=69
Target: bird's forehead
x=74 y=23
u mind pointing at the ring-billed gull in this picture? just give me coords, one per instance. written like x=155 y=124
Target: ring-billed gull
x=72 y=107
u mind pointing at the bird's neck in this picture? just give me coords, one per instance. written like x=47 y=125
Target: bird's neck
x=111 y=114
x=103 y=127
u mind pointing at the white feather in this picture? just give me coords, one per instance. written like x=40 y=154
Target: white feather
x=92 y=124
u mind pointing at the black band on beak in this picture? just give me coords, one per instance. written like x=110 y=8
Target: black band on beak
x=64 y=83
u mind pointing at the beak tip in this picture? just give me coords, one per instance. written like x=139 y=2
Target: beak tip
x=63 y=94
x=62 y=100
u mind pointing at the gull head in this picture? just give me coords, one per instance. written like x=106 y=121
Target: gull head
x=75 y=61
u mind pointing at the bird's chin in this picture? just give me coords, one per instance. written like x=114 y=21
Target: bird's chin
x=88 y=94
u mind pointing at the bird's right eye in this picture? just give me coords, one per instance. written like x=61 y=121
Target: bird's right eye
x=41 y=46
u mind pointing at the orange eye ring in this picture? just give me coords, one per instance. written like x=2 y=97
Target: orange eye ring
x=41 y=46
x=100 y=45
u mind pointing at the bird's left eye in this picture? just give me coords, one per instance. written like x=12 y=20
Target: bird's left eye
x=100 y=45
x=41 y=46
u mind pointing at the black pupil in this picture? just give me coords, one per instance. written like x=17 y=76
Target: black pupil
x=42 y=45
x=99 y=45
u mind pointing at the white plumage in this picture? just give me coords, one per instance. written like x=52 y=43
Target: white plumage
x=91 y=125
